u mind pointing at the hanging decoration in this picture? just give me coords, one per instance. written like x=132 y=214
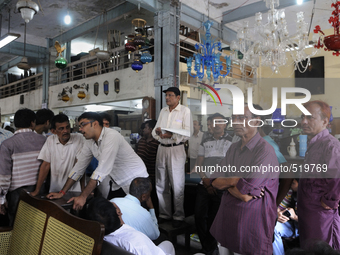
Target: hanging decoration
x=81 y=94
x=146 y=57
x=65 y=94
x=208 y=60
x=60 y=62
x=268 y=43
x=96 y=88
x=137 y=65
x=331 y=42
x=106 y=87
x=117 y=85
x=130 y=46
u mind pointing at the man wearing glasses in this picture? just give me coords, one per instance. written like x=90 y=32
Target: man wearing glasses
x=244 y=224
x=117 y=160
x=319 y=189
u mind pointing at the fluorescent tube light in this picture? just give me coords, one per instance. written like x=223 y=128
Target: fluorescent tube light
x=7 y=38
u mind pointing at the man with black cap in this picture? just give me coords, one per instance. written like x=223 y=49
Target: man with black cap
x=171 y=156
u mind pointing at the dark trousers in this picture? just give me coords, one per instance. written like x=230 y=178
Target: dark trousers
x=116 y=193
x=13 y=201
x=205 y=211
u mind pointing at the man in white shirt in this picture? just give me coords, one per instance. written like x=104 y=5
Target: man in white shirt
x=123 y=235
x=194 y=143
x=133 y=213
x=59 y=153
x=171 y=156
x=116 y=159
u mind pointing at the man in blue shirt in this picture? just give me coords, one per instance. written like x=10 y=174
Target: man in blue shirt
x=133 y=214
x=4 y=134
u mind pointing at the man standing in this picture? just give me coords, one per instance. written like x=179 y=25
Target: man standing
x=4 y=134
x=171 y=156
x=106 y=119
x=19 y=165
x=115 y=156
x=146 y=149
x=133 y=214
x=319 y=190
x=243 y=224
x=194 y=143
x=43 y=121
x=59 y=153
x=211 y=151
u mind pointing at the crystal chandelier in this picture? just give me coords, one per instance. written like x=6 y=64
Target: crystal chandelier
x=208 y=60
x=268 y=43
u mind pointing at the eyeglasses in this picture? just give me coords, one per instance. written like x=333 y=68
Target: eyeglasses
x=308 y=117
x=81 y=125
x=239 y=117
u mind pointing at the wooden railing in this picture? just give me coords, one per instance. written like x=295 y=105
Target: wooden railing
x=22 y=86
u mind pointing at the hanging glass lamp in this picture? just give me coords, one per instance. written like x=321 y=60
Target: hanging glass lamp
x=60 y=62
x=146 y=57
x=81 y=95
x=130 y=46
x=96 y=88
x=139 y=41
x=106 y=87
x=137 y=65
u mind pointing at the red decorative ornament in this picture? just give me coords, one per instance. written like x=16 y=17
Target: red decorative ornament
x=331 y=42
x=130 y=46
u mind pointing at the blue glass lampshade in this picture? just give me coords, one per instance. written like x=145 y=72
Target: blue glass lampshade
x=137 y=65
x=146 y=57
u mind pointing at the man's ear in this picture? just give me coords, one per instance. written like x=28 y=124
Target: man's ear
x=53 y=131
x=143 y=197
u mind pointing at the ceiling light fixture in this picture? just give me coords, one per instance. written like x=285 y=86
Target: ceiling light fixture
x=7 y=38
x=67 y=19
x=208 y=60
x=268 y=43
x=27 y=8
x=299 y=2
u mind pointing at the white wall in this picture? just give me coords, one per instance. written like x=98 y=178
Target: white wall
x=132 y=85
x=32 y=100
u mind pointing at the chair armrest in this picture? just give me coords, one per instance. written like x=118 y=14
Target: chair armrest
x=109 y=249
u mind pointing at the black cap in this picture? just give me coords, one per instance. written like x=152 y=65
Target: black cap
x=173 y=89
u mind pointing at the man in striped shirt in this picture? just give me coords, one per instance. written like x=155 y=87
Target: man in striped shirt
x=19 y=164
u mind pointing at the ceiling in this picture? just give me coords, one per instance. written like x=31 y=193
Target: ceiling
x=48 y=23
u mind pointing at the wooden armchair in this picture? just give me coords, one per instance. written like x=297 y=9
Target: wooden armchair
x=42 y=227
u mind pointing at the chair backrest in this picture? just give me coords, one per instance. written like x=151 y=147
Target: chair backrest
x=62 y=231
x=27 y=230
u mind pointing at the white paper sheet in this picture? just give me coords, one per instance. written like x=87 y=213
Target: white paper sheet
x=177 y=131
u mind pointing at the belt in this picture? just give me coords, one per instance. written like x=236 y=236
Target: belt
x=171 y=144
